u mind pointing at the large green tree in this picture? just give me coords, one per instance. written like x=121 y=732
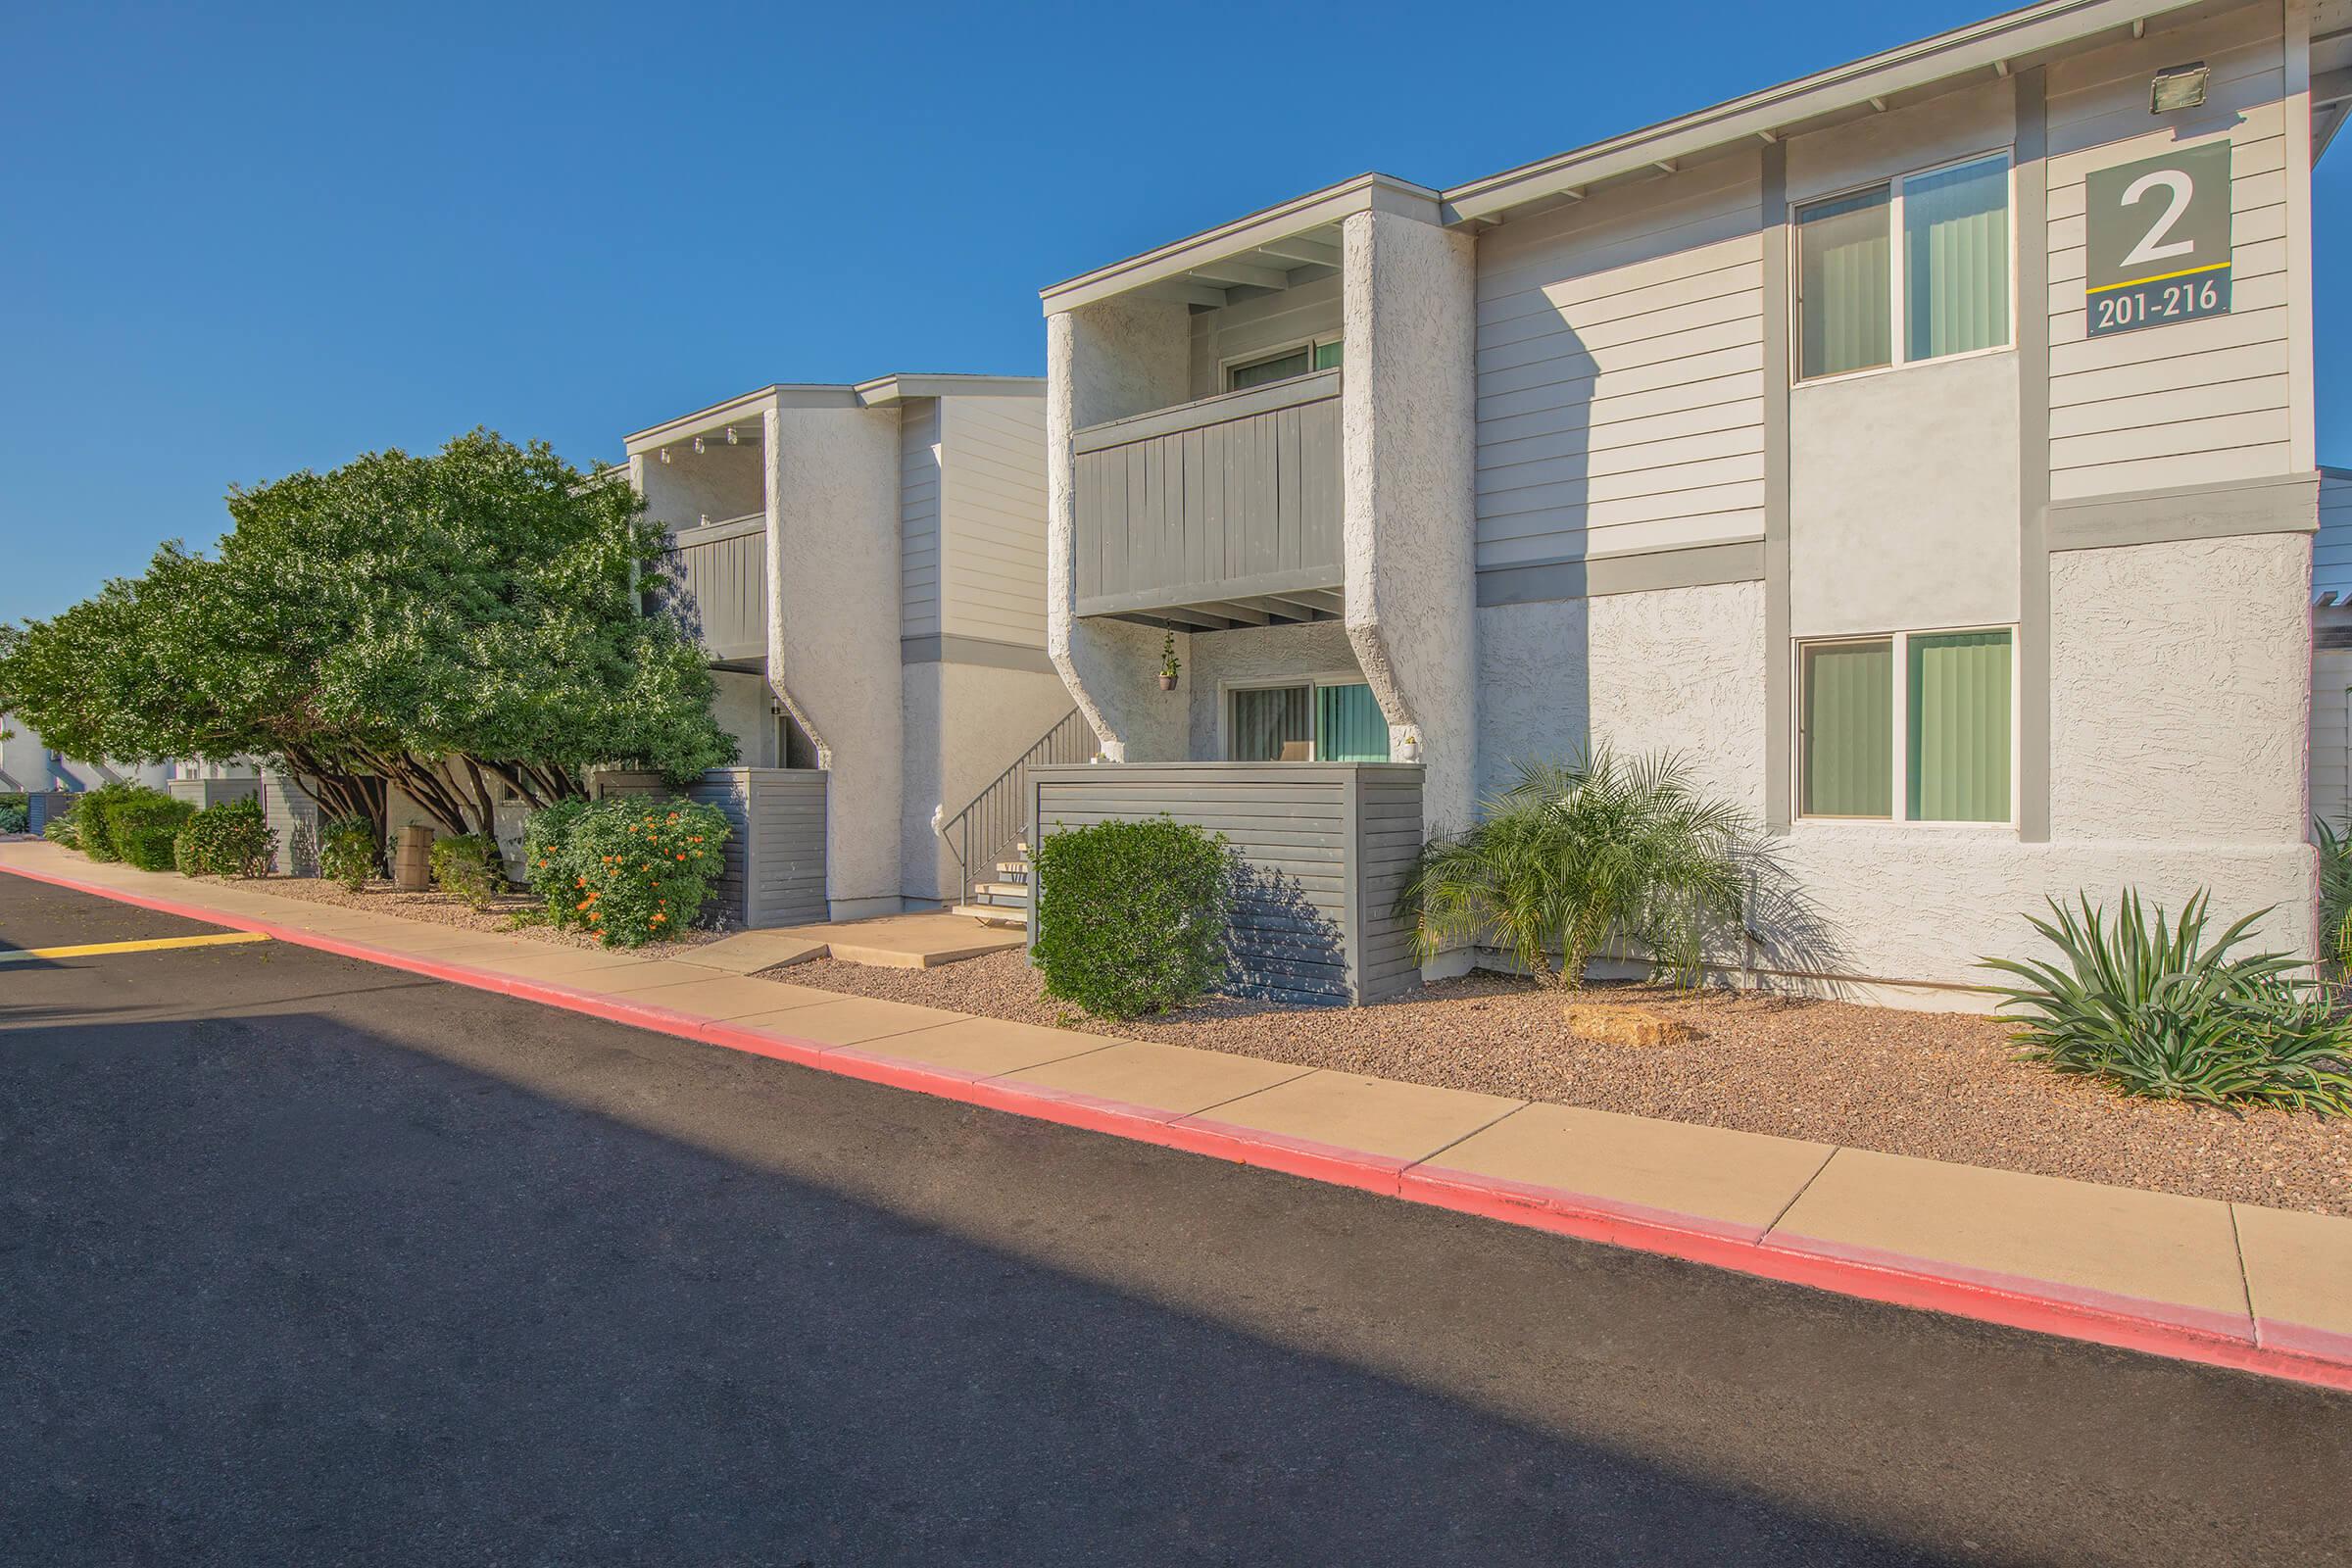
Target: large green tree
x=442 y=624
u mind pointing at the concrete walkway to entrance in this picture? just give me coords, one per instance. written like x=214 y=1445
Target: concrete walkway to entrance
x=2227 y=1284
x=889 y=942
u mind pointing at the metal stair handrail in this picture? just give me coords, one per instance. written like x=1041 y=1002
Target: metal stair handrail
x=992 y=822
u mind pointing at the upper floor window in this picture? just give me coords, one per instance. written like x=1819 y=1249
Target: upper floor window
x=1863 y=304
x=1303 y=358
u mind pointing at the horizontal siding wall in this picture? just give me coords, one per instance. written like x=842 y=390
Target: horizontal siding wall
x=1303 y=313
x=2201 y=401
x=2331 y=550
x=918 y=518
x=993 y=518
x=1319 y=848
x=1620 y=372
x=202 y=793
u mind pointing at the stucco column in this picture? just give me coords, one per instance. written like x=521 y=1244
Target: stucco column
x=1408 y=412
x=833 y=631
x=1106 y=362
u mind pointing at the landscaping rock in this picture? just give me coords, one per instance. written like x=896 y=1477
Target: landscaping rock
x=1615 y=1024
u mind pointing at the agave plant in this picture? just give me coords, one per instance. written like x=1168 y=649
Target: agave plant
x=2161 y=1014
x=1578 y=857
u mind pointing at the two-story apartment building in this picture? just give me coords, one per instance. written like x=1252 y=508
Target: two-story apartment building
x=865 y=567
x=1924 y=450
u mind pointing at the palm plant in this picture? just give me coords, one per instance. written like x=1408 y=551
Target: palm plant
x=1580 y=857
x=2336 y=895
x=2162 y=1014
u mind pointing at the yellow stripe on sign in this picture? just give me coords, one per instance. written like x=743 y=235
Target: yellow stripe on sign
x=2187 y=272
x=91 y=950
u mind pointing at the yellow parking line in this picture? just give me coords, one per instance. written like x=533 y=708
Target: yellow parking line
x=90 y=949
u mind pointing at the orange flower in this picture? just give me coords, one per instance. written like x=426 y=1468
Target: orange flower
x=582 y=905
x=681 y=856
x=697 y=838
x=659 y=918
x=579 y=881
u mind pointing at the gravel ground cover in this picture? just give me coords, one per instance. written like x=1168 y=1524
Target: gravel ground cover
x=442 y=910
x=1940 y=1085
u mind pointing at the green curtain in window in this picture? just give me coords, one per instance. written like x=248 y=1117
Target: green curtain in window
x=1844 y=251
x=1350 y=726
x=1280 y=368
x=1956 y=259
x=1850 y=730
x=1327 y=355
x=1264 y=719
x=1959 y=741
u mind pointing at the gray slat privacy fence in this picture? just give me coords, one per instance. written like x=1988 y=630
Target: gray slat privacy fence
x=44 y=807
x=1222 y=499
x=719 y=585
x=1323 y=849
x=775 y=858
x=294 y=818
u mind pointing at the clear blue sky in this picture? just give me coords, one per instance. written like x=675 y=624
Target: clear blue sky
x=236 y=243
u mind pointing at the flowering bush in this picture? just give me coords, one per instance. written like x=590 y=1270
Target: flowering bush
x=347 y=852
x=632 y=870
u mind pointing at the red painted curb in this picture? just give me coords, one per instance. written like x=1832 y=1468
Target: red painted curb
x=2270 y=1347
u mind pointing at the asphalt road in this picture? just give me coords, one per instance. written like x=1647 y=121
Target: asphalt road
x=307 y=1261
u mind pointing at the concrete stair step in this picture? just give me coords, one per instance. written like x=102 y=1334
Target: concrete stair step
x=993 y=913
x=1005 y=890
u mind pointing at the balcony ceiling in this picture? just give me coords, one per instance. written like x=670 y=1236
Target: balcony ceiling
x=1263 y=268
x=1295 y=609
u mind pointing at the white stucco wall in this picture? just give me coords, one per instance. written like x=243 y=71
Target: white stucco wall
x=1253 y=654
x=1895 y=522
x=833 y=631
x=740 y=702
x=718 y=482
x=1106 y=362
x=965 y=724
x=1407 y=415
x=25 y=761
x=2179 y=696
x=1681 y=669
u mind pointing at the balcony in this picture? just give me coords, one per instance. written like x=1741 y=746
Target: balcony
x=1217 y=513
x=719 y=586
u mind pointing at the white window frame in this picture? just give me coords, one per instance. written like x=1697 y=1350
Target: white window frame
x=1902 y=760
x=1269 y=683
x=1241 y=361
x=1900 y=341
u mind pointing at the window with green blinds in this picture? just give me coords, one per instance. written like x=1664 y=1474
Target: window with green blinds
x=1845 y=315
x=1350 y=726
x=1264 y=719
x=1848 y=729
x=1958 y=750
x=1956 y=259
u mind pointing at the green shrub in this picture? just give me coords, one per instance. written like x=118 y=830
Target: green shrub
x=546 y=860
x=348 y=851
x=2160 y=1014
x=92 y=822
x=1578 y=857
x=232 y=838
x=467 y=867
x=16 y=813
x=632 y=870
x=1132 y=916
x=63 y=829
x=142 y=826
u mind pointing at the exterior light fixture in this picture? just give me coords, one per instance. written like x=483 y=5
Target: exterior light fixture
x=697 y=446
x=2178 y=87
x=732 y=438
x=665 y=453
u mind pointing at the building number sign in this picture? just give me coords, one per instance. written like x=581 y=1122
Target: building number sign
x=2158 y=233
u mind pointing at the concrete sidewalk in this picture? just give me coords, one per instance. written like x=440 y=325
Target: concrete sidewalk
x=2226 y=1284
